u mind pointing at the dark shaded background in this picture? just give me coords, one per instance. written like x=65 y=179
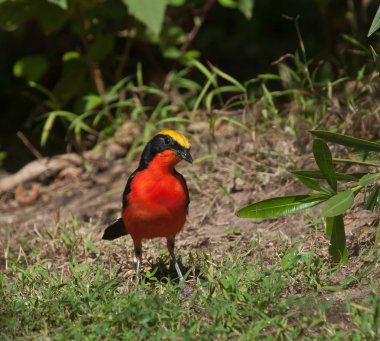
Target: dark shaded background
x=240 y=47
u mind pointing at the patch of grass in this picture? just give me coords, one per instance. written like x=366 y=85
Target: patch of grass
x=68 y=287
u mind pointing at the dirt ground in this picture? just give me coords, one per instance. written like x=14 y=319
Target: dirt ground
x=235 y=169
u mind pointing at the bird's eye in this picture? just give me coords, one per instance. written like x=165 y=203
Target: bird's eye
x=167 y=140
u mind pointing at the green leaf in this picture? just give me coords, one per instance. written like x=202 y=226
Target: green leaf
x=150 y=13
x=355 y=162
x=72 y=81
x=50 y=16
x=31 y=67
x=71 y=55
x=338 y=204
x=323 y=158
x=336 y=233
x=277 y=207
x=316 y=174
x=177 y=3
x=228 y=3
x=312 y=184
x=369 y=179
x=375 y=23
x=347 y=141
x=246 y=7
x=68 y=116
x=101 y=47
x=228 y=78
x=373 y=201
x=60 y=3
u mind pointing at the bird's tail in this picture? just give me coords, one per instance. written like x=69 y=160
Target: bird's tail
x=115 y=230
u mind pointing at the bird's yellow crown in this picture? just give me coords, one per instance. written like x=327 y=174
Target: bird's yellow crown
x=176 y=136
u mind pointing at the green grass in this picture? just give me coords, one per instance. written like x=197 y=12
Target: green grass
x=68 y=287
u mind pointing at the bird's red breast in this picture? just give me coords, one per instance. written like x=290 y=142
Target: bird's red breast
x=157 y=200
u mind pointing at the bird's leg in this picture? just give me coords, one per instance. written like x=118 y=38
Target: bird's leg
x=138 y=254
x=170 y=245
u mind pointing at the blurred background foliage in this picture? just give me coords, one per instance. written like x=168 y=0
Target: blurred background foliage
x=74 y=68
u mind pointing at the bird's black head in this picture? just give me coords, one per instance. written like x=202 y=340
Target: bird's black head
x=167 y=140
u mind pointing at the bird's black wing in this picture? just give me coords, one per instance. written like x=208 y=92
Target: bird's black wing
x=127 y=188
x=118 y=229
x=115 y=230
x=186 y=189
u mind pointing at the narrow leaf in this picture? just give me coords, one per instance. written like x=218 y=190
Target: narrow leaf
x=228 y=78
x=338 y=247
x=323 y=159
x=311 y=183
x=338 y=204
x=369 y=179
x=354 y=162
x=347 y=141
x=329 y=226
x=316 y=174
x=375 y=23
x=277 y=207
x=373 y=200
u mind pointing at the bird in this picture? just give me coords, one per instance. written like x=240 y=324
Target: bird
x=155 y=200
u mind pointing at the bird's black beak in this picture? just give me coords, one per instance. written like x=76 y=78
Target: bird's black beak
x=185 y=155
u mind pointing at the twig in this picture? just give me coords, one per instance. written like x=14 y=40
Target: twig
x=197 y=25
x=125 y=57
x=97 y=76
x=28 y=145
x=303 y=50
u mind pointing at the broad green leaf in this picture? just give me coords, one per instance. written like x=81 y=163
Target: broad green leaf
x=316 y=174
x=347 y=141
x=338 y=204
x=277 y=207
x=375 y=23
x=323 y=158
x=373 y=201
x=312 y=184
x=50 y=16
x=369 y=179
x=31 y=67
x=246 y=7
x=337 y=235
x=150 y=13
